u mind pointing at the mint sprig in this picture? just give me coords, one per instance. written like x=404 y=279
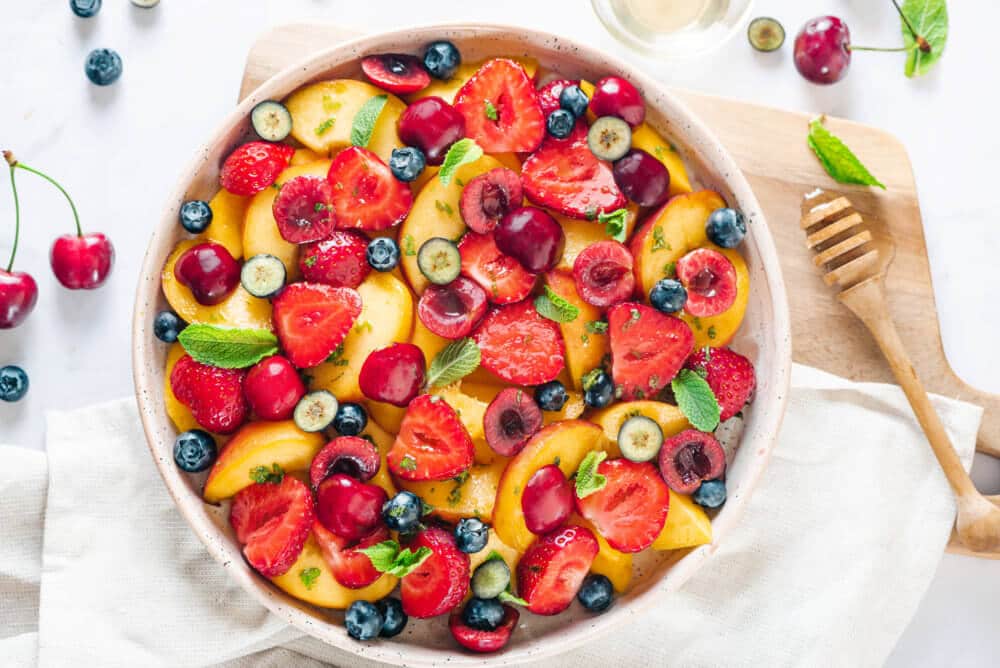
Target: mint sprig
x=365 y=120
x=837 y=159
x=588 y=480
x=555 y=308
x=309 y=576
x=456 y=361
x=696 y=400
x=227 y=348
x=614 y=223
x=387 y=557
x=490 y=110
x=461 y=153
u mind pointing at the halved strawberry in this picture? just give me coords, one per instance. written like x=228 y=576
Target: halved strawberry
x=729 y=374
x=710 y=279
x=254 y=166
x=441 y=582
x=520 y=346
x=272 y=522
x=340 y=259
x=214 y=396
x=629 y=511
x=551 y=571
x=302 y=210
x=648 y=348
x=483 y=641
x=312 y=319
x=548 y=95
x=565 y=176
x=501 y=108
x=503 y=277
x=432 y=443
x=350 y=567
x=366 y=195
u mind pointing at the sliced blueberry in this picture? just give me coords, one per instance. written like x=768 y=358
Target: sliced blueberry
x=383 y=254
x=574 y=100
x=598 y=388
x=560 y=123
x=668 y=296
x=85 y=8
x=194 y=450
x=407 y=163
x=103 y=66
x=484 y=614
x=442 y=59
x=726 y=228
x=711 y=494
x=596 y=593
x=551 y=396
x=167 y=326
x=351 y=419
x=402 y=512
x=13 y=383
x=471 y=535
x=195 y=216
x=393 y=617
x=490 y=579
x=363 y=620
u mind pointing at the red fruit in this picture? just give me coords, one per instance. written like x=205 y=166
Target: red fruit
x=489 y=197
x=648 y=348
x=519 y=126
x=729 y=374
x=520 y=346
x=254 y=166
x=483 y=641
x=18 y=296
x=398 y=73
x=349 y=455
x=501 y=276
x=273 y=388
x=432 y=125
x=82 y=262
x=441 y=581
x=547 y=501
x=603 y=274
x=510 y=420
x=631 y=508
x=209 y=272
x=349 y=565
x=215 y=396
x=311 y=320
x=339 y=259
x=642 y=178
x=551 y=571
x=366 y=195
x=532 y=237
x=452 y=310
x=710 y=279
x=349 y=508
x=689 y=458
x=432 y=443
x=393 y=374
x=303 y=210
x=565 y=176
x=548 y=95
x=614 y=96
x=823 y=50
x=272 y=521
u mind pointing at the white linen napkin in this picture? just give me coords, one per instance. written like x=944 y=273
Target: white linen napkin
x=832 y=557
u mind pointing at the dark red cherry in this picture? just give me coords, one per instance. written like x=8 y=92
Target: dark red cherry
x=18 y=295
x=273 y=388
x=432 y=125
x=547 y=501
x=452 y=310
x=397 y=73
x=489 y=197
x=83 y=262
x=603 y=273
x=209 y=271
x=532 y=237
x=822 y=50
x=642 y=178
x=510 y=420
x=393 y=374
x=614 y=96
x=349 y=508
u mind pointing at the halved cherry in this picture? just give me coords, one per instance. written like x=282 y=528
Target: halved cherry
x=349 y=508
x=629 y=511
x=689 y=458
x=489 y=197
x=349 y=565
x=452 y=310
x=603 y=274
x=303 y=210
x=483 y=641
x=510 y=420
x=350 y=455
x=272 y=522
x=432 y=125
x=398 y=73
x=710 y=280
x=501 y=276
x=366 y=195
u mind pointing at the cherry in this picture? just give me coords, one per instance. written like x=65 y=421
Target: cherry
x=18 y=295
x=393 y=374
x=82 y=262
x=823 y=50
x=432 y=125
x=273 y=388
x=642 y=178
x=489 y=197
x=510 y=420
x=547 y=501
x=710 y=280
x=603 y=274
x=349 y=508
x=614 y=96
x=532 y=237
x=209 y=271
x=452 y=310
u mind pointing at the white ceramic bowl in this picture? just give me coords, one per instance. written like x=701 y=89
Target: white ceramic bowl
x=764 y=337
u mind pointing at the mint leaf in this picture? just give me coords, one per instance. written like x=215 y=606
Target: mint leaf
x=929 y=19
x=507 y=597
x=262 y=474
x=409 y=246
x=408 y=463
x=455 y=362
x=597 y=327
x=491 y=111
x=838 y=160
x=365 y=119
x=588 y=480
x=387 y=557
x=227 y=348
x=494 y=555
x=309 y=576
x=696 y=400
x=555 y=308
x=614 y=223
x=322 y=128
x=461 y=153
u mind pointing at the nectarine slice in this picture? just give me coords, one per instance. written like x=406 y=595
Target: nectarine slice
x=466 y=496
x=609 y=562
x=584 y=347
x=611 y=419
x=383 y=441
x=649 y=140
x=228 y=213
x=178 y=413
x=687 y=525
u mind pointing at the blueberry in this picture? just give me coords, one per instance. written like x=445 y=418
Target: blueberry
x=574 y=100
x=383 y=254
x=195 y=216
x=598 y=388
x=350 y=419
x=711 y=494
x=596 y=593
x=551 y=396
x=194 y=450
x=85 y=8
x=668 y=295
x=363 y=620
x=406 y=163
x=726 y=228
x=484 y=614
x=491 y=578
x=13 y=383
x=471 y=535
x=442 y=59
x=103 y=66
x=393 y=617
x=403 y=512
x=560 y=123
x=167 y=326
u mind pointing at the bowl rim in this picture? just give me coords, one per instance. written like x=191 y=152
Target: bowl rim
x=148 y=393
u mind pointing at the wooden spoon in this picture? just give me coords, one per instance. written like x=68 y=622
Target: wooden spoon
x=856 y=261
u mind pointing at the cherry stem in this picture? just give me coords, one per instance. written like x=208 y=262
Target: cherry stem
x=76 y=216
x=17 y=220
x=922 y=43
x=877 y=48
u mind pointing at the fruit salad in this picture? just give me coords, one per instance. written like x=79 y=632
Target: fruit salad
x=452 y=339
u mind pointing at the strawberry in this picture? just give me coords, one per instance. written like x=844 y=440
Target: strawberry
x=483 y=641
x=254 y=166
x=302 y=210
x=441 y=581
x=501 y=108
x=565 y=176
x=520 y=346
x=548 y=95
x=215 y=396
x=648 y=348
x=729 y=374
x=350 y=567
x=312 y=319
x=501 y=276
x=339 y=259
x=432 y=443
x=629 y=511
x=553 y=568
x=272 y=522
x=366 y=195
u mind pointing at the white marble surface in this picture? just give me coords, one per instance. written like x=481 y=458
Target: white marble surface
x=120 y=150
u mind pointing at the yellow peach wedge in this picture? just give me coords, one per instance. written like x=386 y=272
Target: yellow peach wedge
x=584 y=347
x=668 y=416
x=649 y=140
x=226 y=229
x=387 y=416
x=470 y=411
x=178 y=413
x=717 y=331
x=446 y=89
x=687 y=525
x=383 y=441
x=582 y=233
x=472 y=495
x=304 y=156
x=429 y=342
x=609 y=562
x=506 y=552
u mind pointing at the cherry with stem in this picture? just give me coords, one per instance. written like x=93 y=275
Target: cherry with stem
x=18 y=290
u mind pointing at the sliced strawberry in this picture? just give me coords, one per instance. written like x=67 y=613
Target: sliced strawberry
x=520 y=346
x=483 y=641
x=548 y=95
x=214 y=396
x=254 y=166
x=710 y=279
x=629 y=511
x=441 y=581
x=272 y=522
x=340 y=259
x=432 y=443
x=398 y=73
x=729 y=374
x=503 y=277
x=501 y=86
x=565 y=176
x=303 y=211
x=551 y=571
x=350 y=567
x=648 y=348
x=311 y=320
x=366 y=195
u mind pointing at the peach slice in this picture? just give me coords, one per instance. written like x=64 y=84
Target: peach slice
x=687 y=525
x=447 y=88
x=470 y=411
x=303 y=156
x=383 y=441
x=609 y=562
x=583 y=233
x=649 y=140
x=429 y=342
x=584 y=349
x=228 y=213
x=485 y=392
x=467 y=496
x=611 y=419
x=178 y=413
x=509 y=555
x=387 y=416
